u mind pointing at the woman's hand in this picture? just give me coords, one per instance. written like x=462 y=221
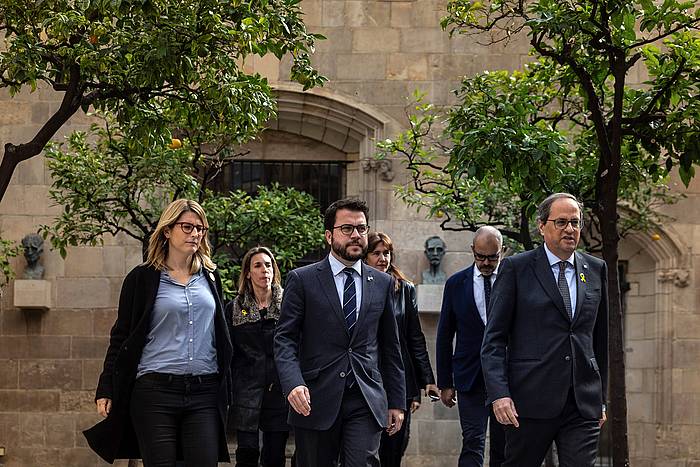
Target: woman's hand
x=104 y=406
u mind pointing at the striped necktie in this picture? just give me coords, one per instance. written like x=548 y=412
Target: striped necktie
x=564 y=287
x=349 y=299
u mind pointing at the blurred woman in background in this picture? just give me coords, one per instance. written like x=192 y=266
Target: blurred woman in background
x=258 y=403
x=419 y=373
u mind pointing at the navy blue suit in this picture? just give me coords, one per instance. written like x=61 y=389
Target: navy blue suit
x=461 y=369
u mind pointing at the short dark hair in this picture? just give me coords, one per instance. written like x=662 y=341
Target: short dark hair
x=351 y=204
x=545 y=206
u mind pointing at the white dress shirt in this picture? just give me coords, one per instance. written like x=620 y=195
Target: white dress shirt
x=339 y=277
x=479 y=297
x=570 y=274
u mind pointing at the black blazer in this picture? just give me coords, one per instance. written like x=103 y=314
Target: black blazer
x=416 y=361
x=532 y=352
x=314 y=348
x=459 y=316
x=113 y=437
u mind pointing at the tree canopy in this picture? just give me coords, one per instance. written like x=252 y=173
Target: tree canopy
x=171 y=60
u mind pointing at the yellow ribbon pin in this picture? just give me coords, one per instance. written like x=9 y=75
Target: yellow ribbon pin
x=583 y=278
x=244 y=312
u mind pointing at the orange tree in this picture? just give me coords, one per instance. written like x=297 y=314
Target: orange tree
x=163 y=58
x=569 y=121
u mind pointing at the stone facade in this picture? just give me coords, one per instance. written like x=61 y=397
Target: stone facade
x=377 y=53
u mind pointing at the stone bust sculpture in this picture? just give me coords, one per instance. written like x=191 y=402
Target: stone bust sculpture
x=434 y=250
x=33 y=246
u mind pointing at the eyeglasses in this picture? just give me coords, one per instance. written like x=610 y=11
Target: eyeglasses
x=347 y=229
x=560 y=224
x=188 y=228
x=480 y=257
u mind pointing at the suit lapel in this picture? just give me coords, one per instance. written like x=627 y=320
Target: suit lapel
x=325 y=277
x=581 y=273
x=469 y=300
x=543 y=272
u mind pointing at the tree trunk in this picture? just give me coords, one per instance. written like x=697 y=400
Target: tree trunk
x=617 y=412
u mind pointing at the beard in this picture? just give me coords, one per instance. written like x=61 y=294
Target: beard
x=342 y=250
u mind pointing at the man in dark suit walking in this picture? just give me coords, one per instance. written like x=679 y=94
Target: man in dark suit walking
x=464 y=314
x=337 y=349
x=545 y=350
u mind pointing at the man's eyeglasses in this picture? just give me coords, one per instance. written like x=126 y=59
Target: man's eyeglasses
x=560 y=224
x=347 y=229
x=188 y=228
x=480 y=257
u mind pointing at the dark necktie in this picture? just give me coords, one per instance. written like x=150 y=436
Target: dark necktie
x=564 y=287
x=349 y=299
x=487 y=292
x=349 y=310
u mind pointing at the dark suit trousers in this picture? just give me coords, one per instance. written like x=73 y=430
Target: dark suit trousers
x=474 y=416
x=353 y=437
x=576 y=439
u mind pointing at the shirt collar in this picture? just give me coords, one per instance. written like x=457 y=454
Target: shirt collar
x=554 y=259
x=337 y=267
x=477 y=273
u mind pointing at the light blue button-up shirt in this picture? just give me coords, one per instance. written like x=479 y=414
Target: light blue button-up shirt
x=570 y=274
x=339 y=278
x=181 y=339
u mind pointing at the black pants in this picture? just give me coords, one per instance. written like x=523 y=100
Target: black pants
x=353 y=438
x=474 y=416
x=273 y=448
x=175 y=414
x=576 y=439
x=392 y=448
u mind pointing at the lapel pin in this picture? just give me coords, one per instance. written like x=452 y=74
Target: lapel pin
x=211 y=276
x=583 y=278
x=244 y=312
x=370 y=278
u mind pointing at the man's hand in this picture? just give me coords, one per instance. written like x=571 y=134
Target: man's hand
x=432 y=390
x=415 y=405
x=104 y=406
x=300 y=400
x=395 y=421
x=603 y=419
x=504 y=410
x=447 y=396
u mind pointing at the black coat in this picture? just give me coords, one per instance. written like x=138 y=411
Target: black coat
x=416 y=361
x=114 y=438
x=258 y=402
x=313 y=346
x=532 y=351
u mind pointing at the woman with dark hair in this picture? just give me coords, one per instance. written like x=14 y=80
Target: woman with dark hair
x=419 y=373
x=166 y=381
x=258 y=403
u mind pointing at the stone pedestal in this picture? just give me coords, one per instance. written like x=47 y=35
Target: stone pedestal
x=32 y=294
x=429 y=297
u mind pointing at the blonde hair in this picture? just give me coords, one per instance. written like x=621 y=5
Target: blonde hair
x=244 y=283
x=158 y=243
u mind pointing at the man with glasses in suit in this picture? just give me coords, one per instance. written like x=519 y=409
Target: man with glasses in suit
x=545 y=350
x=337 y=349
x=464 y=315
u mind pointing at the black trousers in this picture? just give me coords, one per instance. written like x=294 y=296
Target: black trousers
x=474 y=417
x=176 y=416
x=392 y=448
x=273 y=448
x=576 y=439
x=353 y=438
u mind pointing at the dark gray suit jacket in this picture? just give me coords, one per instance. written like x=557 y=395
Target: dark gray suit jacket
x=314 y=348
x=532 y=352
